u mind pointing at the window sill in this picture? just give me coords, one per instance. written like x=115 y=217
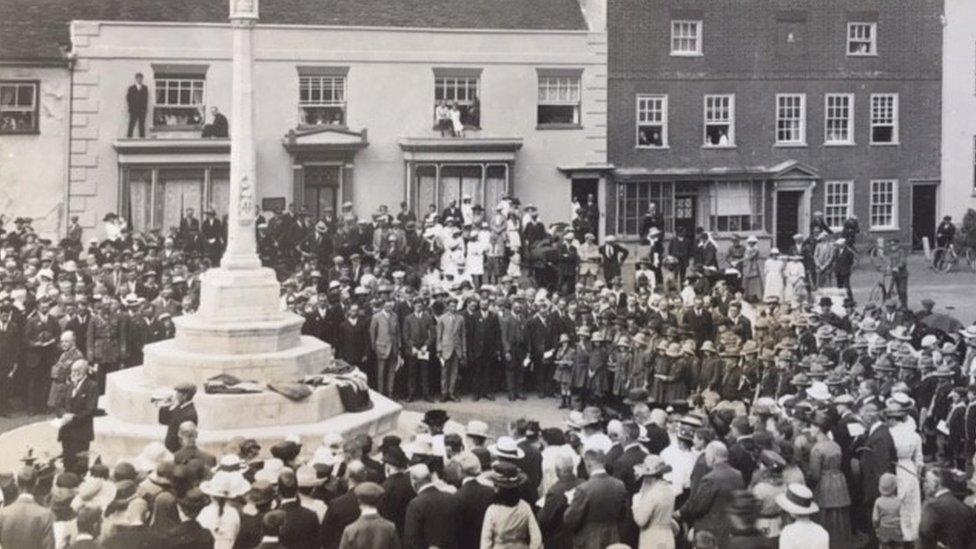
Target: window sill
x=892 y=144
x=884 y=229
x=686 y=54
x=559 y=126
x=466 y=128
x=20 y=132
x=651 y=147
x=187 y=128
x=318 y=126
x=850 y=144
x=862 y=55
x=790 y=145
x=718 y=147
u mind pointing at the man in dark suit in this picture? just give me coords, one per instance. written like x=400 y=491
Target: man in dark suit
x=473 y=500
x=42 y=332
x=540 y=335
x=699 y=320
x=23 y=522
x=705 y=509
x=172 y=414
x=511 y=327
x=78 y=323
x=945 y=521
x=11 y=347
x=354 y=337
x=301 y=526
x=370 y=530
x=739 y=324
x=418 y=338
x=218 y=127
x=188 y=534
x=384 y=333
x=599 y=507
x=137 y=100
x=77 y=423
x=476 y=336
x=212 y=236
x=343 y=510
x=612 y=256
x=397 y=490
x=742 y=448
x=633 y=454
x=875 y=451
x=432 y=517
x=555 y=534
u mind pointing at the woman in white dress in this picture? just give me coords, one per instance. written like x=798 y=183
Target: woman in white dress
x=773 y=273
x=908 y=447
x=474 y=258
x=793 y=275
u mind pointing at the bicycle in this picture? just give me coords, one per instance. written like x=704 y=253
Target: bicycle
x=945 y=258
x=882 y=289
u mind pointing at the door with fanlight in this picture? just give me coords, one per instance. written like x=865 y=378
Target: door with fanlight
x=322 y=184
x=685 y=214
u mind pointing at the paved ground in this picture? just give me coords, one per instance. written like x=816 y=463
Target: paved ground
x=954 y=294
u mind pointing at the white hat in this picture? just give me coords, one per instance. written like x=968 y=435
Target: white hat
x=929 y=340
x=506 y=447
x=227 y=484
x=270 y=470
x=819 y=391
x=797 y=500
x=477 y=429
x=150 y=457
x=752 y=238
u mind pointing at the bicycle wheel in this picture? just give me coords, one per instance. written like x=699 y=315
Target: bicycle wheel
x=943 y=260
x=877 y=297
x=971 y=258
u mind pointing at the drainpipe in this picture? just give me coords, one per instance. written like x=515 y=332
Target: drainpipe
x=69 y=57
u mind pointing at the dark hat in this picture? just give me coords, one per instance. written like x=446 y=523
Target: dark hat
x=435 y=417
x=390 y=441
x=396 y=457
x=193 y=501
x=505 y=474
x=826 y=302
x=286 y=450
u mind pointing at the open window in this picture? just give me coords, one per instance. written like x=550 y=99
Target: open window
x=559 y=98
x=460 y=87
x=719 y=121
x=652 y=121
x=18 y=106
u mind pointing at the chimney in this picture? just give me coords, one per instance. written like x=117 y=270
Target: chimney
x=595 y=13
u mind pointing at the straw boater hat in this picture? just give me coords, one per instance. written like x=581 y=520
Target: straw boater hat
x=797 y=500
x=506 y=447
x=477 y=429
x=225 y=484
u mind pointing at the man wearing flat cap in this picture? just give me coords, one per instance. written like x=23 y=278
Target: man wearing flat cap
x=176 y=410
x=370 y=530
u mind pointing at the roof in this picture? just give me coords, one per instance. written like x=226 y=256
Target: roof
x=32 y=29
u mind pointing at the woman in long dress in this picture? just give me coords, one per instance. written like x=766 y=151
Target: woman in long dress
x=793 y=275
x=773 y=271
x=752 y=279
x=908 y=447
x=653 y=505
x=830 y=486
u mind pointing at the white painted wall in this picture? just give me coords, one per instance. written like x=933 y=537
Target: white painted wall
x=957 y=191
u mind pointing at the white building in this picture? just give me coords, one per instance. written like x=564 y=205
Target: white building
x=958 y=189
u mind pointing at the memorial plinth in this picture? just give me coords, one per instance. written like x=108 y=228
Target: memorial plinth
x=239 y=328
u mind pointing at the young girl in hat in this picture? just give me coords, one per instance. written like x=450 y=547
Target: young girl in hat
x=565 y=359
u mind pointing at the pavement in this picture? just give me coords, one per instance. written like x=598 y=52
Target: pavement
x=954 y=294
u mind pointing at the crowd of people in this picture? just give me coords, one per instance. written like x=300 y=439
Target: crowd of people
x=707 y=404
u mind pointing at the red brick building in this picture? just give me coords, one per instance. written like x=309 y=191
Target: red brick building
x=748 y=116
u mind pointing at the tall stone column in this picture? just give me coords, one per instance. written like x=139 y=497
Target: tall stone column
x=241 y=251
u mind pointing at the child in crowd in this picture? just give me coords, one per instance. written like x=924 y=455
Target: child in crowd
x=887 y=513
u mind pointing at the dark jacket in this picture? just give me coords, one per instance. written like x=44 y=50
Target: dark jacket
x=623 y=467
x=172 y=420
x=300 y=529
x=473 y=500
x=531 y=464
x=137 y=98
x=877 y=456
x=555 y=535
x=432 y=520
x=82 y=404
x=133 y=537
x=397 y=494
x=189 y=535
x=946 y=521
x=705 y=509
x=342 y=511
x=354 y=341
x=599 y=508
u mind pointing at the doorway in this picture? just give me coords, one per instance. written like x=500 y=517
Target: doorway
x=685 y=214
x=321 y=189
x=923 y=214
x=787 y=218
x=583 y=188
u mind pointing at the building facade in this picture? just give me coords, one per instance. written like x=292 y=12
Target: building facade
x=958 y=189
x=342 y=114
x=747 y=117
x=35 y=100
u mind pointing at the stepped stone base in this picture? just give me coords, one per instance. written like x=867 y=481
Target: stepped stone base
x=117 y=439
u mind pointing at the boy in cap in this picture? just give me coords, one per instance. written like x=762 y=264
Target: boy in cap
x=370 y=530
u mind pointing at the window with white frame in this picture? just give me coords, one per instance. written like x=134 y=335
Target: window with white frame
x=884 y=204
x=737 y=206
x=559 y=100
x=862 y=39
x=839 y=119
x=460 y=90
x=652 y=121
x=719 y=120
x=322 y=99
x=634 y=200
x=837 y=203
x=18 y=106
x=686 y=37
x=179 y=101
x=884 y=118
x=791 y=119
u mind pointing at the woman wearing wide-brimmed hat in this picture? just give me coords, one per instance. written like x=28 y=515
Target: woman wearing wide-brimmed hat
x=221 y=516
x=829 y=484
x=509 y=521
x=908 y=449
x=565 y=358
x=653 y=505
